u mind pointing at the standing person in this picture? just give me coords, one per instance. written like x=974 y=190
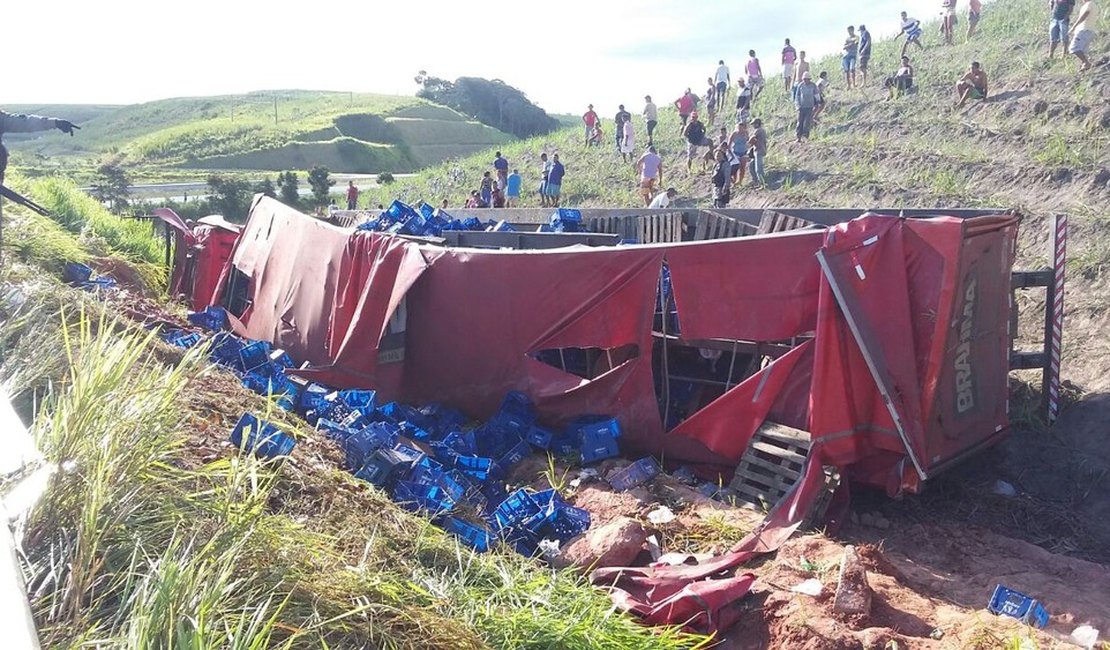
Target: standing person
x=722 y=79
x=1058 y=26
x=685 y=106
x=695 y=137
x=619 y=119
x=947 y=19
x=800 y=68
x=722 y=181
x=757 y=151
x=743 y=101
x=822 y=95
x=789 y=56
x=485 y=190
x=711 y=101
x=19 y=123
x=974 y=12
x=911 y=29
x=864 y=53
x=651 y=117
x=555 y=181
x=589 y=119
x=1082 y=33
x=501 y=166
x=973 y=85
x=545 y=170
x=628 y=142
x=650 y=167
x=352 y=196
x=850 y=57
x=738 y=142
x=755 y=75
x=512 y=189
x=806 y=101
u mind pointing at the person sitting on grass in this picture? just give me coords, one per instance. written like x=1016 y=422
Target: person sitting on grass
x=900 y=82
x=973 y=85
x=597 y=135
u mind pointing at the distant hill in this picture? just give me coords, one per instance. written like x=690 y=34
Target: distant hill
x=266 y=130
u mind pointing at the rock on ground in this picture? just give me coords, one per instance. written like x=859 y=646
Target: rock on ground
x=617 y=543
x=853 y=593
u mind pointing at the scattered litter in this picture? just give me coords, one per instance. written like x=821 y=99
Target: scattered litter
x=585 y=475
x=685 y=475
x=811 y=587
x=549 y=549
x=1085 y=636
x=1007 y=602
x=937 y=634
x=1004 y=489
x=661 y=515
x=654 y=548
x=634 y=475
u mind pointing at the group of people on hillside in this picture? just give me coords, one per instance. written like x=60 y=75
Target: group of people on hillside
x=1072 y=37
x=499 y=189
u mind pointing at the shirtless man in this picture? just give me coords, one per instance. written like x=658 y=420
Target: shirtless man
x=800 y=68
x=973 y=85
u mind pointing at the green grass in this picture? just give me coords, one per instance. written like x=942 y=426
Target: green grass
x=145 y=540
x=238 y=130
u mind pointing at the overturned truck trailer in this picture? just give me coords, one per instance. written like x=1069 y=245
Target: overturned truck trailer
x=876 y=348
x=885 y=339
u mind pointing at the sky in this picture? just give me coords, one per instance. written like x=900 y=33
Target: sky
x=562 y=53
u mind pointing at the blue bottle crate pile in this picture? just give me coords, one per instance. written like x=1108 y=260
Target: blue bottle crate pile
x=403 y=219
x=429 y=459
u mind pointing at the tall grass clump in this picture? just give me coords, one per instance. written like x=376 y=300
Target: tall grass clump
x=143 y=541
x=79 y=213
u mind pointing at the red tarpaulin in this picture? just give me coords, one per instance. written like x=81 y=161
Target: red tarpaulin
x=899 y=327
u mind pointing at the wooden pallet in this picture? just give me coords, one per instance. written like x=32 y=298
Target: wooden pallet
x=772 y=221
x=713 y=225
x=645 y=229
x=771 y=465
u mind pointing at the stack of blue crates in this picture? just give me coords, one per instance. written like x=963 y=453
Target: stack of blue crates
x=401 y=218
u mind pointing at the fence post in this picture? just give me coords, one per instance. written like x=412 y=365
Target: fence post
x=1054 y=315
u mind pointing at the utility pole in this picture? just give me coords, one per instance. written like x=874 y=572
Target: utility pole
x=275 y=110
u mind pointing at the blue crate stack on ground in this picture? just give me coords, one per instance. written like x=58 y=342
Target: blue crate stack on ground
x=260 y=437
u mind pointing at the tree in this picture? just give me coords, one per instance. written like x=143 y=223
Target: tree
x=490 y=101
x=385 y=178
x=290 y=193
x=266 y=187
x=112 y=185
x=229 y=197
x=320 y=183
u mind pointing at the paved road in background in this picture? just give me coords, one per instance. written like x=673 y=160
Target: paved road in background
x=198 y=189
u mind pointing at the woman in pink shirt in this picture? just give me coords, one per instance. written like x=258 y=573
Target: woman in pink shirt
x=755 y=75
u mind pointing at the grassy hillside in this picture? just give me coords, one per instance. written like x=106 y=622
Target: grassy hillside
x=269 y=130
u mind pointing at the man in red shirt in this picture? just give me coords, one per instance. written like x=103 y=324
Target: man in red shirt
x=352 y=196
x=685 y=106
x=590 y=119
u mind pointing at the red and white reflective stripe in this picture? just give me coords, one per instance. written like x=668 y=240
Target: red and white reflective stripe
x=1060 y=246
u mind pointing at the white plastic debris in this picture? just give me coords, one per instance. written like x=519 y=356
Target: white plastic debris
x=585 y=476
x=654 y=548
x=661 y=515
x=550 y=548
x=1004 y=489
x=1085 y=636
x=811 y=587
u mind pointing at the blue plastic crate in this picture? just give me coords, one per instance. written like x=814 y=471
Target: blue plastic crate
x=462 y=442
x=1007 y=602
x=427 y=210
x=224 y=350
x=255 y=354
x=596 y=448
x=417 y=496
x=364 y=401
x=473 y=535
x=517 y=453
x=76 y=273
x=281 y=360
x=213 y=318
x=538 y=436
x=399 y=210
x=260 y=437
x=499 y=226
x=477 y=467
x=566 y=523
x=364 y=442
x=518 y=510
x=384 y=468
x=604 y=427
x=567 y=215
x=184 y=340
x=634 y=475
x=565 y=446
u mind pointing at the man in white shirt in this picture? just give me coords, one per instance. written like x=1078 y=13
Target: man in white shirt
x=663 y=199
x=723 y=80
x=1082 y=33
